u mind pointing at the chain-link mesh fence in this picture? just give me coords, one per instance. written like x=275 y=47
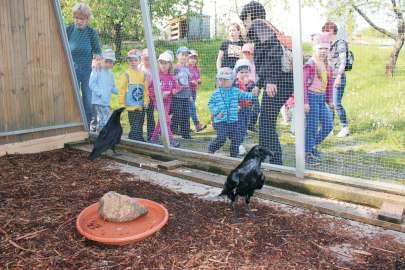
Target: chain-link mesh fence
x=226 y=79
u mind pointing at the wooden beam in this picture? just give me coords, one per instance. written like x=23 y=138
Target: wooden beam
x=391 y=212
x=43 y=144
x=170 y=165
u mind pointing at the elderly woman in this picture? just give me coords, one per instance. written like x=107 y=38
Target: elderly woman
x=84 y=45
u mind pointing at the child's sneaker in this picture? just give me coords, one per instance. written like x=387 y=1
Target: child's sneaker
x=199 y=127
x=174 y=143
x=242 y=150
x=316 y=154
x=93 y=128
x=252 y=129
x=154 y=141
x=343 y=132
x=311 y=160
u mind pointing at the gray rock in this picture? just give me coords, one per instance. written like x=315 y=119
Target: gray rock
x=115 y=207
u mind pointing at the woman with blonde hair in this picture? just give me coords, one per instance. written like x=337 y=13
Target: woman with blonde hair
x=231 y=49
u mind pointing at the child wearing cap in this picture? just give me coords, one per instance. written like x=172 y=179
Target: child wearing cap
x=150 y=119
x=168 y=87
x=133 y=94
x=181 y=101
x=195 y=83
x=102 y=86
x=318 y=85
x=223 y=105
x=248 y=53
x=245 y=83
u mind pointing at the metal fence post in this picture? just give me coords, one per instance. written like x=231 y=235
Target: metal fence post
x=155 y=73
x=298 y=90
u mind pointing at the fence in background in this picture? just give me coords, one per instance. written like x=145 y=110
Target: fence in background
x=373 y=149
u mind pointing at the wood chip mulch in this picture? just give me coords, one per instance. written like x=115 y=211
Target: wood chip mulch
x=42 y=194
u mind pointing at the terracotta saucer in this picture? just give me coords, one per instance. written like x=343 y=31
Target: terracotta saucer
x=92 y=226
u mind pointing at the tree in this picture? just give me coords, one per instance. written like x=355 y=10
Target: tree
x=119 y=19
x=368 y=9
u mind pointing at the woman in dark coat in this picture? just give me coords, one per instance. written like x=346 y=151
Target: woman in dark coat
x=277 y=85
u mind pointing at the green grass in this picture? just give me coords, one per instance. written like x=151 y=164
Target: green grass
x=375 y=103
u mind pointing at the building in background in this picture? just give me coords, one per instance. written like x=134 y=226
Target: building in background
x=194 y=27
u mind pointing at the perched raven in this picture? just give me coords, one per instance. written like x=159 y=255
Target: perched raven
x=246 y=178
x=109 y=136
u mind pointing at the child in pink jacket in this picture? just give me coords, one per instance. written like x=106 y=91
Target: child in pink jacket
x=169 y=87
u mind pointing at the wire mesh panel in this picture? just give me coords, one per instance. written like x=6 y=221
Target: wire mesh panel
x=226 y=79
x=222 y=104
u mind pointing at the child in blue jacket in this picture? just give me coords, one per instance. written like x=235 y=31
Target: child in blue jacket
x=223 y=105
x=102 y=85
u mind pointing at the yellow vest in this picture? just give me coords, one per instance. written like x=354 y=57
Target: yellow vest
x=134 y=90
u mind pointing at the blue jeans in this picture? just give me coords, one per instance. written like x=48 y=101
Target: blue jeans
x=318 y=112
x=193 y=110
x=224 y=131
x=337 y=100
x=243 y=121
x=83 y=72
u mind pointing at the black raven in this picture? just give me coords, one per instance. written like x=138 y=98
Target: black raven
x=247 y=177
x=109 y=136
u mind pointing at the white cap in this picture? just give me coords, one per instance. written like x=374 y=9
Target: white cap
x=166 y=56
x=193 y=53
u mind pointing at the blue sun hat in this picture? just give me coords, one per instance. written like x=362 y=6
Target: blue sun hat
x=225 y=73
x=242 y=64
x=183 y=50
x=109 y=54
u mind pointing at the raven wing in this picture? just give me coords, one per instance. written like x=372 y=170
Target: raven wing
x=105 y=140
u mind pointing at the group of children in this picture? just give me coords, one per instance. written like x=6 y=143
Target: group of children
x=231 y=103
x=318 y=88
x=178 y=82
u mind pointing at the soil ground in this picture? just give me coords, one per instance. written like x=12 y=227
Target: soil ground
x=42 y=194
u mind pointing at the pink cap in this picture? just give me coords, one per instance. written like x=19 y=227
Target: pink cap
x=134 y=53
x=247 y=47
x=321 y=40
